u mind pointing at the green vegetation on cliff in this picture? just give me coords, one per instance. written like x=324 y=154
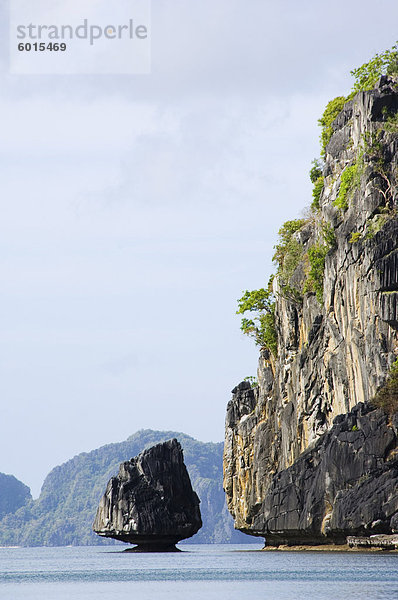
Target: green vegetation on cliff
x=333 y=108
x=262 y=326
x=317 y=178
x=316 y=192
x=387 y=396
x=288 y=250
x=316 y=258
x=348 y=180
x=367 y=75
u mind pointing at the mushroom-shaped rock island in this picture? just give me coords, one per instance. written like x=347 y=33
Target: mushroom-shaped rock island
x=151 y=502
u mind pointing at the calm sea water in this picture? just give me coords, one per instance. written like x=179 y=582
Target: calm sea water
x=198 y=573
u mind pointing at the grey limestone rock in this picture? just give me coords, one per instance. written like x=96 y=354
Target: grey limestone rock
x=151 y=502
x=347 y=484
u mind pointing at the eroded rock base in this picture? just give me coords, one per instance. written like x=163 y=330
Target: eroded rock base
x=153 y=548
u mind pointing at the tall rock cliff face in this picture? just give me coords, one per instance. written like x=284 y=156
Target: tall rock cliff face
x=292 y=471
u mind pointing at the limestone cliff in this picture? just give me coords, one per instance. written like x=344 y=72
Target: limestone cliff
x=292 y=471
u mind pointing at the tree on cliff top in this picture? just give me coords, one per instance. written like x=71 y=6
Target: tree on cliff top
x=367 y=75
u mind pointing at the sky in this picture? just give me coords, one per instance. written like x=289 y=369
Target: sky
x=136 y=209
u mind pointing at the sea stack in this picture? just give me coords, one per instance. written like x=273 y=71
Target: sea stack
x=150 y=502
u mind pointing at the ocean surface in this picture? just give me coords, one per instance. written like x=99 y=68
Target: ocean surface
x=199 y=572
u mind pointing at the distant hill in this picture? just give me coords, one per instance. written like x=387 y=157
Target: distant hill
x=64 y=512
x=13 y=494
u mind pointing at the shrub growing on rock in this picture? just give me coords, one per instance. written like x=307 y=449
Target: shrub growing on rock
x=262 y=326
x=387 y=396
